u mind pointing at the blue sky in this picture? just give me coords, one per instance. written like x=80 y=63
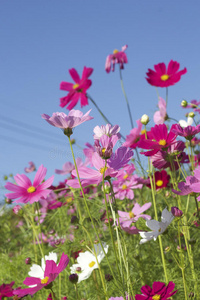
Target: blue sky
x=41 y=40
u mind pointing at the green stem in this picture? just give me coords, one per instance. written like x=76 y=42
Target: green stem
x=125 y=96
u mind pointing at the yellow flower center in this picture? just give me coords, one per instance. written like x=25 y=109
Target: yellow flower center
x=156 y=297
x=162 y=142
x=45 y=280
x=103 y=150
x=115 y=51
x=143 y=131
x=159 y=230
x=102 y=170
x=69 y=200
x=125 y=176
x=91 y=264
x=131 y=214
x=31 y=189
x=124 y=187
x=159 y=183
x=75 y=86
x=164 y=77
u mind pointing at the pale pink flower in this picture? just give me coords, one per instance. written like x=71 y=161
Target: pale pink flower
x=124 y=189
x=107 y=129
x=68 y=167
x=27 y=191
x=133 y=138
x=31 y=167
x=161 y=115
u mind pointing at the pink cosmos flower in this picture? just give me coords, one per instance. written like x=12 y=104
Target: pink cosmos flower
x=158 y=291
x=77 y=90
x=161 y=115
x=89 y=151
x=27 y=191
x=118 y=57
x=63 y=121
x=133 y=138
x=68 y=167
x=31 y=167
x=127 y=218
x=107 y=129
x=164 y=77
x=42 y=276
x=187 y=132
x=158 y=138
x=104 y=146
x=124 y=189
x=164 y=159
x=6 y=290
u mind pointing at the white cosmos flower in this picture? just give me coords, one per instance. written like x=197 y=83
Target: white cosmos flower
x=87 y=262
x=156 y=227
x=187 y=123
x=37 y=270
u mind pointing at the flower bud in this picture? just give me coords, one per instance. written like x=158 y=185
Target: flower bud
x=8 y=201
x=73 y=278
x=17 y=209
x=108 y=277
x=74 y=220
x=184 y=103
x=144 y=119
x=176 y=212
x=191 y=114
x=28 y=260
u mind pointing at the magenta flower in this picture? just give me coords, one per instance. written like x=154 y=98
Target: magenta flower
x=118 y=57
x=127 y=218
x=164 y=77
x=63 y=121
x=158 y=138
x=42 y=276
x=27 y=191
x=176 y=212
x=158 y=291
x=164 y=159
x=161 y=179
x=133 y=138
x=161 y=115
x=6 y=290
x=187 y=132
x=76 y=90
x=31 y=167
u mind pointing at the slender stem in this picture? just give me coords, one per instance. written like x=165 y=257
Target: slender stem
x=166 y=95
x=125 y=96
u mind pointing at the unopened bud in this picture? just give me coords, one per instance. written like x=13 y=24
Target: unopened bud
x=78 y=269
x=108 y=277
x=28 y=260
x=191 y=114
x=184 y=103
x=74 y=220
x=8 y=201
x=176 y=212
x=17 y=210
x=145 y=119
x=73 y=278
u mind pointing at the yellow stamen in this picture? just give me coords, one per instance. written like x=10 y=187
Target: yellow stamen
x=124 y=187
x=31 y=189
x=156 y=297
x=143 y=131
x=69 y=200
x=75 y=86
x=45 y=280
x=91 y=264
x=115 y=51
x=164 y=77
x=103 y=150
x=159 y=183
x=162 y=142
x=131 y=214
x=125 y=176
x=159 y=230
x=102 y=170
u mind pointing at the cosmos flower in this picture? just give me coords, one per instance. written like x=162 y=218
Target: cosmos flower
x=6 y=290
x=31 y=167
x=118 y=57
x=164 y=77
x=87 y=262
x=161 y=179
x=133 y=138
x=124 y=188
x=107 y=129
x=27 y=191
x=68 y=167
x=161 y=115
x=187 y=132
x=158 y=291
x=156 y=227
x=76 y=90
x=158 y=138
x=67 y=122
x=194 y=104
x=42 y=276
x=187 y=123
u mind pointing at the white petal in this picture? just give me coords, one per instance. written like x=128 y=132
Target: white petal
x=36 y=271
